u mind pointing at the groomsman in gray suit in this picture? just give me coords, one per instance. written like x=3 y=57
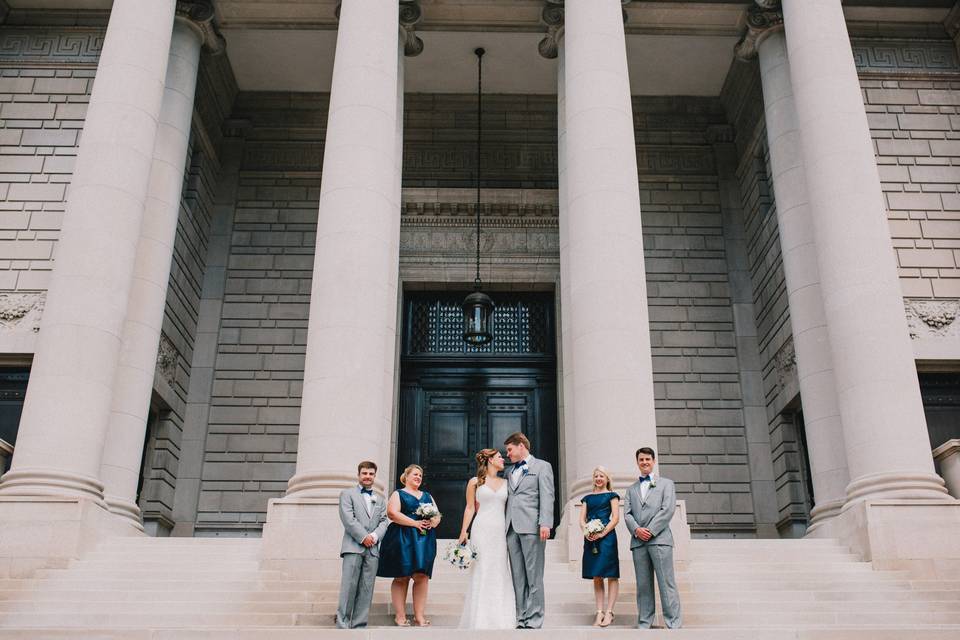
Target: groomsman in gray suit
x=529 y=520
x=364 y=518
x=648 y=508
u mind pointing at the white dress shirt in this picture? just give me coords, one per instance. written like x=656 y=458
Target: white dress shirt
x=645 y=487
x=517 y=472
x=369 y=500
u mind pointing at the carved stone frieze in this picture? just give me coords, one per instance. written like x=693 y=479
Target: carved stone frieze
x=39 y=45
x=763 y=18
x=785 y=361
x=932 y=318
x=531 y=243
x=875 y=55
x=21 y=312
x=167 y=359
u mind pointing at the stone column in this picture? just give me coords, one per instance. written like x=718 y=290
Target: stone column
x=67 y=406
x=606 y=332
x=884 y=430
x=818 y=392
x=347 y=411
x=133 y=382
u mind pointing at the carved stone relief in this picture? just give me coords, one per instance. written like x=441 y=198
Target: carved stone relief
x=167 y=358
x=785 y=361
x=932 y=318
x=21 y=312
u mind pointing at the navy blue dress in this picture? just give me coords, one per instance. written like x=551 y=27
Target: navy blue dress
x=605 y=561
x=404 y=551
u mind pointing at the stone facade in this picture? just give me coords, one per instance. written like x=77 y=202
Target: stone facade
x=229 y=383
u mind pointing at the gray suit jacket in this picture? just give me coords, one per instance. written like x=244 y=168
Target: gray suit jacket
x=654 y=513
x=530 y=503
x=357 y=524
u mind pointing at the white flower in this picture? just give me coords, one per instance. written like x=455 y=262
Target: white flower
x=460 y=556
x=594 y=527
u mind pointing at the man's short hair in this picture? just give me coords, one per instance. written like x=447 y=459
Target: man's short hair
x=647 y=450
x=366 y=464
x=517 y=438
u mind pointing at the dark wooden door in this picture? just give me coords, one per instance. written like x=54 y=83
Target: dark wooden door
x=457 y=399
x=448 y=414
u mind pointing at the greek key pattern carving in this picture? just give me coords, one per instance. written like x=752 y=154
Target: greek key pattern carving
x=21 y=312
x=904 y=56
x=42 y=45
x=932 y=318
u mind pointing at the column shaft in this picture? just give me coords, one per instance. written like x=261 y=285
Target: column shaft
x=351 y=340
x=888 y=452
x=601 y=250
x=67 y=407
x=821 y=411
x=133 y=383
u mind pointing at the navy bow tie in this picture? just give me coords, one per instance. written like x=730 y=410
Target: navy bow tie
x=645 y=478
x=369 y=492
x=522 y=463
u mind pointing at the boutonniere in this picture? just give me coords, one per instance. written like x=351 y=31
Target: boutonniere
x=653 y=481
x=525 y=471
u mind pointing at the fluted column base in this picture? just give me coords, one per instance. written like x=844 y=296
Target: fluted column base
x=32 y=481
x=821 y=514
x=125 y=512
x=897 y=486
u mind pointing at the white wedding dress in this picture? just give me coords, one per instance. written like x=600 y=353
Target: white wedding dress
x=490 y=603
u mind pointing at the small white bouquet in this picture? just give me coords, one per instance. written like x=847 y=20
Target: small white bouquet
x=592 y=528
x=427 y=511
x=460 y=555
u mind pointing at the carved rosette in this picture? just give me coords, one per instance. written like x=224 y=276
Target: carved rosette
x=167 y=358
x=552 y=17
x=785 y=361
x=932 y=318
x=202 y=14
x=21 y=312
x=763 y=18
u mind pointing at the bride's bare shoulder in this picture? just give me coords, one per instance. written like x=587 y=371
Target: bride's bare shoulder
x=472 y=482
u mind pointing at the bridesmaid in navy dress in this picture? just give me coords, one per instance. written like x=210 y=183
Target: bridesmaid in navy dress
x=600 y=557
x=409 y=547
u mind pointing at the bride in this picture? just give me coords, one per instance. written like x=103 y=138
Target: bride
x=490 y=602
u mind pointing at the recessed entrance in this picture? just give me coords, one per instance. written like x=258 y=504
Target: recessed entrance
x=457 y=399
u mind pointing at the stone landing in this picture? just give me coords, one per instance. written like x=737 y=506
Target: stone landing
x=178 y=588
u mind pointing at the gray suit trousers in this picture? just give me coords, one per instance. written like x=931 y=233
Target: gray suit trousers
x=526 y=565
x=647 y=560
x=356 y=589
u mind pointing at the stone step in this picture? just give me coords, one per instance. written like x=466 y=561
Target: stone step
x=583 y=607
x=374 y=633
x=728 y=619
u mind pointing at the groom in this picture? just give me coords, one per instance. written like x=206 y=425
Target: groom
x=529 y=520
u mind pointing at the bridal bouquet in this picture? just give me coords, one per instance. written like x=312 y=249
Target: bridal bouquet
x=460 y=555
x=427 y=511
x=592 y=528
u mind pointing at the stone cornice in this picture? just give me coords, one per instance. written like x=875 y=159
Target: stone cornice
x=763 y=18
x=202 y=14
x=552 y=17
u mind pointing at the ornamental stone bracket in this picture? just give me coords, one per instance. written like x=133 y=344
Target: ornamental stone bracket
x=202 y=14
x=410 y=16
x=21 y=312
x=932 y=318
x=552 y=17
x=763 y=18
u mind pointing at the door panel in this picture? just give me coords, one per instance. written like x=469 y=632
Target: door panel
x=447 y=415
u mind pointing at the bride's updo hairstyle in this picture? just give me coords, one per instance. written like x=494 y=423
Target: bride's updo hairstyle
x=483 y=461
x=403 y=476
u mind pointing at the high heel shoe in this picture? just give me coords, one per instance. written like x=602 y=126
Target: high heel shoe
x=599 y=618
x=607 y=619
x=404 y=622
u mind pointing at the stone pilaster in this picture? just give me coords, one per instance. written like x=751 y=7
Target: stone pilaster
x=133 y=384
x=348 y=391
x=821 y=413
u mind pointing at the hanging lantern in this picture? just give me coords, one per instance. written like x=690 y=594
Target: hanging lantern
x=478 y=307
x=477 y=319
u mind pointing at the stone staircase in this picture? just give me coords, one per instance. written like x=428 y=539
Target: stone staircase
x=178 y=588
